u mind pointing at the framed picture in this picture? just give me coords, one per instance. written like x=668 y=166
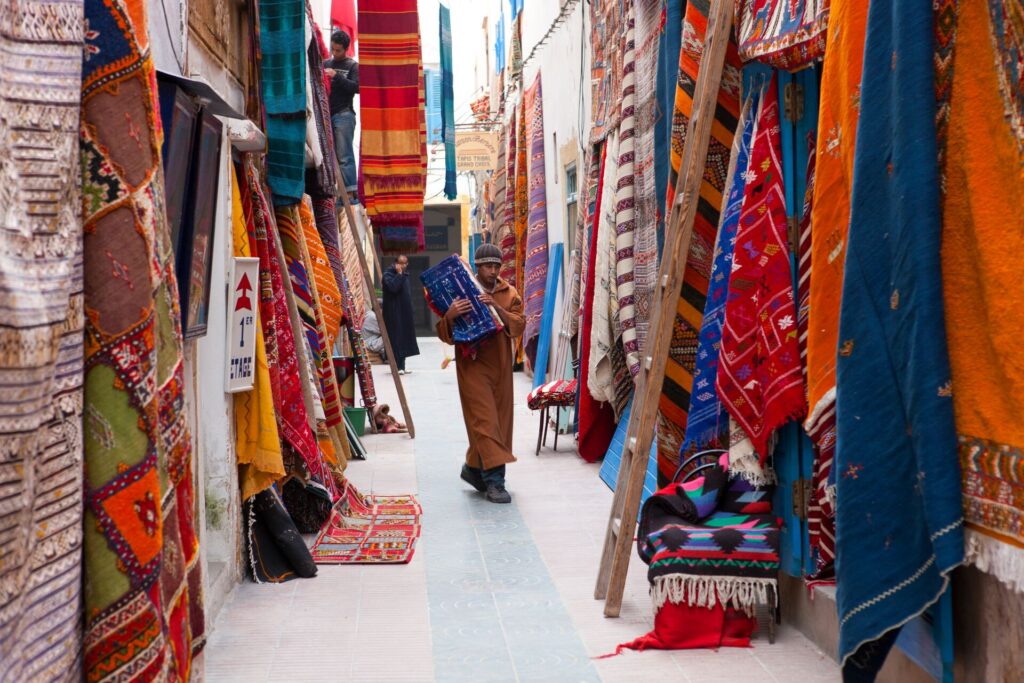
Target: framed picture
x=195 y=244
x=178 y=114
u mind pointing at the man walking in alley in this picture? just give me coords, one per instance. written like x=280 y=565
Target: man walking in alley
x=344 y=74
x=485 y=379
x=398 y=320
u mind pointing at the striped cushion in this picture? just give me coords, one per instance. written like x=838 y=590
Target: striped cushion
x=559 y=392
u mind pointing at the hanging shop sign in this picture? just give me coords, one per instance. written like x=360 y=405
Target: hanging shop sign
x=242 y=301
x=476 y=151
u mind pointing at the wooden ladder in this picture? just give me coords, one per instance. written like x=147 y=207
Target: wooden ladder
x=611 y=578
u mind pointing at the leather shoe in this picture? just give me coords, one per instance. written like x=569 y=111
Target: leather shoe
x=496 y=493
x=473 y=478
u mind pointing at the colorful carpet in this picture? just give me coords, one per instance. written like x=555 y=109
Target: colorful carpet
x=982 y=289
x=607 y=40
x=522 y=199
x=142 y=578
x=675 y=393
x=369 y=530
x=41 y=343
x=898 y=480
x=787 y=34
x=536 y=257
x=283 y=76
x=707 y=423
x=393 y=152
x=760 y=380
x=509 y=271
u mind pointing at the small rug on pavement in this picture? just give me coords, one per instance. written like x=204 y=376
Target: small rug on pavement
x=369 y=530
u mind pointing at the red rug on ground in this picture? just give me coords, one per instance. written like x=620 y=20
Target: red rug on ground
x=369 y=530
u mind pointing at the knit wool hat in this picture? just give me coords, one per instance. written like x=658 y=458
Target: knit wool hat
x=487 y=253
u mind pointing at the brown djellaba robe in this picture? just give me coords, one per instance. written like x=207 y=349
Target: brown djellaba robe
x=485 y=384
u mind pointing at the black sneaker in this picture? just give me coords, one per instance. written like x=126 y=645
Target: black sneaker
x=496 y=493
x=473 y=478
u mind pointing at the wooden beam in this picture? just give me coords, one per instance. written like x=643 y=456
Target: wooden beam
x=611 y=580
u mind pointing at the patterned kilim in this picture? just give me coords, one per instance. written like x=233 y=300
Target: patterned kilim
x=327 y=291
x=608 y=28
x=760 y=380
x=257 y=441
x=496 y=196
x=898 y=480
x=536 y=259
x=509 y=272
x=323 y=179
x=40 y=342
x=649 y=26
x=625 y=208
x=283 y=79
x=278 y=335
x=599 y=372
x=675 y=392
x=787 y=34
x=707 y=423
x=369 y=530
x=522 y=199
x=142 y=582
x=289 y=225
x=393 y=151
x=353 y=286
x=981 y=238
x=351 y=270
x=302 y=249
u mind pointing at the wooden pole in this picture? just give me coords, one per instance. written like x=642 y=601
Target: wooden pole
x=376 y=310
x=611 y=580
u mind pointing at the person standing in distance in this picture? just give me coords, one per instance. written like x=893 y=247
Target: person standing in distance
x=485 y=378
x=398 y=318
x=344 y=74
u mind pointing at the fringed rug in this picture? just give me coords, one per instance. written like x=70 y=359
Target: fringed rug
x=369 y=530
x=41 y=348
x=393 y=151
x=760 y=380
x=536 y=259
x=896 y=457
x=675 y=393
x=981 y=241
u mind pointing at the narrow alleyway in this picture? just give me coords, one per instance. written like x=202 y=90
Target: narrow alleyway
x=494 y=593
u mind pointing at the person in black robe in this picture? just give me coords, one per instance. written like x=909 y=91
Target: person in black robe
x=398 y=319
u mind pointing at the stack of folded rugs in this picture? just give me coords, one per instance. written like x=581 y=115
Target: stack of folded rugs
x=712 y=547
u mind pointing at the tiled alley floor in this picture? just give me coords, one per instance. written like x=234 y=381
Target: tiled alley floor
x=494 y=593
